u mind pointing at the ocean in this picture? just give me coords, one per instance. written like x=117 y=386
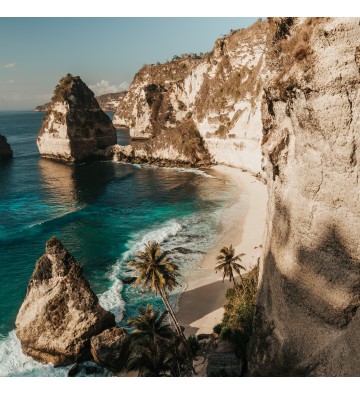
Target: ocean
x=103 y=212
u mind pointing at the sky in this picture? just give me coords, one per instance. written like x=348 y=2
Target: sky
x=105 y=52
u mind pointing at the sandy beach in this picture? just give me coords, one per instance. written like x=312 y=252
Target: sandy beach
x=201 y=304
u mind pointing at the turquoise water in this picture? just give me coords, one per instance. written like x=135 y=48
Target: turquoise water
x=103 y=212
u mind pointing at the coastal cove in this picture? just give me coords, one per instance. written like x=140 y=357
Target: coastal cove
x=104 y=212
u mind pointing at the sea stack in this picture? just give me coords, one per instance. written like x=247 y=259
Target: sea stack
x=60 y=312
x=5 y=149
x=75 y=128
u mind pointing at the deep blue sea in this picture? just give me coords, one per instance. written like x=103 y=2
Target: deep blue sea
x=103 y=212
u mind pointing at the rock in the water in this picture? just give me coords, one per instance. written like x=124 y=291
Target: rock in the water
x=129 y=280
x=60 y=312
x=75 y=128
x=5 y=149
x=110 y=349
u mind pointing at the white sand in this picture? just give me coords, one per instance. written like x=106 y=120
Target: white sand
x=201 y=304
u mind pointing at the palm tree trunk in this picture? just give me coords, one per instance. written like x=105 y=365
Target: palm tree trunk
x=178 y=328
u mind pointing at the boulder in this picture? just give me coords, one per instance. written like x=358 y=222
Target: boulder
x=60 y=312
x=75 y=128
x=5 y=149
x=111 y=348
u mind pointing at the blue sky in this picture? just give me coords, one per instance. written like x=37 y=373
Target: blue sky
x=36 y=52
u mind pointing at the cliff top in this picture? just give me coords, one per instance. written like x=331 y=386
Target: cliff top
x=74 y=91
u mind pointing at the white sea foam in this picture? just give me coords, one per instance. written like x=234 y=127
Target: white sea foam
x=160 y=235
x=111 y=299
x=14 y=363
x=196 y=171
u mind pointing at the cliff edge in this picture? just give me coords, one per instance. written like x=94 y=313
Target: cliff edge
x=307 y=320
x=219 y=94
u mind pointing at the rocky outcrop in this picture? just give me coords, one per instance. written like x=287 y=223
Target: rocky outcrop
x=60 y=312
x=181 y=147
x=5 y=149
x=43 y=107
x=75 y=128
x=218 y=94
x=111 y=349
x=308 y=318
x=107 y=102
x=110 y=101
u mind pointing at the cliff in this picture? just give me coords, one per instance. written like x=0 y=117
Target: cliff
x=110 y=101
x=307 y=320
x=107 y=102
x=5 y=149
x=43 y=107
x=75 y=128
x=60 y=312
x=218 y=94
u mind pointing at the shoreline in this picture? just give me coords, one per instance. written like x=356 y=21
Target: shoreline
x=200 y=305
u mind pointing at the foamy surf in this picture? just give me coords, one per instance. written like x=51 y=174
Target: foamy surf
x=14 y=363
x=111 y=299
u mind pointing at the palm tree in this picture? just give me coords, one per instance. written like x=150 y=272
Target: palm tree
x=154 y=362
x=155 y=347
x=226 y=262
x=157 y=273
x=150 y=327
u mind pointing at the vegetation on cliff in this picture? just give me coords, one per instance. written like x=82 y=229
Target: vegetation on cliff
x=237 y=323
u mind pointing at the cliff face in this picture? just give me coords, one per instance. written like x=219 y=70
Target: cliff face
x=75 y=128
x=219 y=94
x=307 y=319
x=107 y=102
x=5 y=149
x=60 y=312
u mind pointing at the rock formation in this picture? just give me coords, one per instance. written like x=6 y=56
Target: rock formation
x=60 y=312
x=217 y=97
x=43 y=107
x=110 y=101
x=111 y=349
x=75 y=128
x=308 y=319
x=107 y=102
x=5 y=149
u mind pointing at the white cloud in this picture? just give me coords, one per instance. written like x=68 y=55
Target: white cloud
x=6 y=82
x=9 y=65
x=102 y=87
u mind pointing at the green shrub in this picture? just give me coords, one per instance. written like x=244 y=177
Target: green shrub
x=236 y=325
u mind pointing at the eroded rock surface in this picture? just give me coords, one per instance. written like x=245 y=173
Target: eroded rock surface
x=196 y=103
x=308 y=319
x=111 y=348
x=60 y=312
x=75 y=128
